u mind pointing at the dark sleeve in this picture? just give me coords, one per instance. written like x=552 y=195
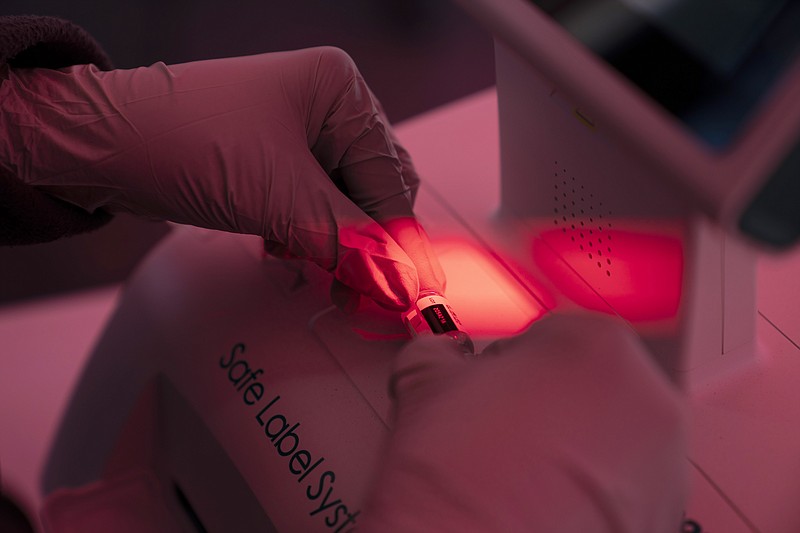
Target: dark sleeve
x=28 y=41
x=27 y=215
x=30 y=216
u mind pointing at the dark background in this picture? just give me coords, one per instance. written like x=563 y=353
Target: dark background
x=415 y=54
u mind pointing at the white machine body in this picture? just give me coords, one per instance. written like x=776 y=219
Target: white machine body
x=219 y=374
x=624 y=192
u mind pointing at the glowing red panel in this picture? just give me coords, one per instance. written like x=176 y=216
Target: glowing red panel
x=633 y=273
x=489 y=300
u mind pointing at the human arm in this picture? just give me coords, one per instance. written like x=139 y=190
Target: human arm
x=568 y=427
x=291 y=146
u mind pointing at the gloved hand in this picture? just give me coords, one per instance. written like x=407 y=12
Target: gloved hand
x=291 y=146
x=565 y=428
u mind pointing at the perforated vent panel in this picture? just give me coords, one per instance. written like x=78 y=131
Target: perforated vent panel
x=583 y=219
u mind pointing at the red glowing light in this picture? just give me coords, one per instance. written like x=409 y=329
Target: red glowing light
x=487 y=298
x=635 y=274
x=489 y=301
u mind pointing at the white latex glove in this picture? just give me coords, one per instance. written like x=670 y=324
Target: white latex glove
x=566 y=428
x=253 y=144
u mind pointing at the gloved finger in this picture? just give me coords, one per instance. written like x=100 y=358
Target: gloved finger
x=312 y=219
x=421 y=364
x=411 y=237
x=565 y=331
x=347 y=132
x=409 y=173
x=414 y=241
x=351 y=137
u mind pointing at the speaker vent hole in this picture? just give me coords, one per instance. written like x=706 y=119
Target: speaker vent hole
x=585 y=216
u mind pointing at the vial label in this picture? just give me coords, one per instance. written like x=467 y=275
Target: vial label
x=439 y=319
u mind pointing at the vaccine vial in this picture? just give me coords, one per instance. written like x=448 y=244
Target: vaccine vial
x=432 y=313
